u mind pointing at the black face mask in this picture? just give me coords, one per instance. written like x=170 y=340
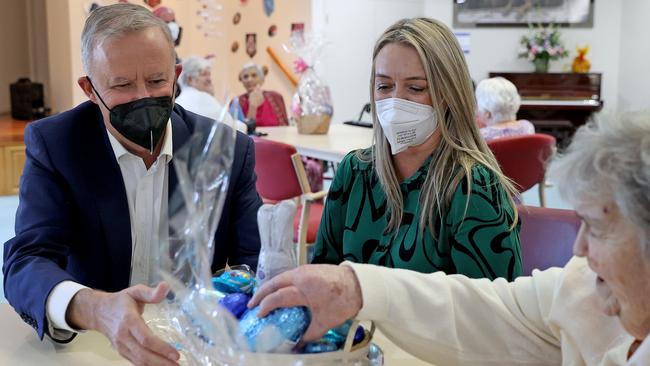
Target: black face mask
x=142 y=121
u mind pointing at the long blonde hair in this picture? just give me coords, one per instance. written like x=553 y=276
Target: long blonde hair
x=461 y=146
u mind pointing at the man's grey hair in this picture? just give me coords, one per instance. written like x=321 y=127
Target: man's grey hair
x=499 y=97
x=252 y=65
x=609 y=161
x=192 y=67
x=116 y=20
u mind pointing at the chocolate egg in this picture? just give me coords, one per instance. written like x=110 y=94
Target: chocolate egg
x=278 y=332
x=319 y=346
x=235 y=303
x=233 y=281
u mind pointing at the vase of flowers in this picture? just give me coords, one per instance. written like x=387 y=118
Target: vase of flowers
x=541 y=45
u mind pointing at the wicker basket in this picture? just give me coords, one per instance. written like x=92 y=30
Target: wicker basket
x=314 y=124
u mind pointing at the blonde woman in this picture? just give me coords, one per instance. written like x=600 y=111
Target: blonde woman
x=428 y=195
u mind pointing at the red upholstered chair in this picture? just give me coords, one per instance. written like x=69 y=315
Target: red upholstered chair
x=280 y=176
x=523 y=159
x=546 y=236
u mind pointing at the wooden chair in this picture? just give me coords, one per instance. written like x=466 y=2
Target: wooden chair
x=280 y=176
x=523 y=159
x=546 y=237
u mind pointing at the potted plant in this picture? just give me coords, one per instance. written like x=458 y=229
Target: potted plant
x=541 y=45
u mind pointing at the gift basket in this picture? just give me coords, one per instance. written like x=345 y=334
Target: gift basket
x=311 y=106
x=205 y=316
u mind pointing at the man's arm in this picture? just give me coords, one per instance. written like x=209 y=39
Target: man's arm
x=34 y=259
x=119 y=317
x=34 y=262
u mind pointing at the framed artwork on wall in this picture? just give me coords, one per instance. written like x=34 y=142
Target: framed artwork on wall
x=521 y=13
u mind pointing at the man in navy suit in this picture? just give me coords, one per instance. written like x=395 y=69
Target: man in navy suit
x=95 y=188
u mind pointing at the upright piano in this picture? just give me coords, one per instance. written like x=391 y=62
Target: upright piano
x=556 y=103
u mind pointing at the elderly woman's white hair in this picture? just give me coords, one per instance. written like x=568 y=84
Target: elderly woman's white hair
x=609 y=161
x=252 y=65
x=499 y=97
x=192 y=67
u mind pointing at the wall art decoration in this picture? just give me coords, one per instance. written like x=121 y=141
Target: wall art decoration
x=521 y=13
x=210 y=16
x=269 y=6
x=298 y=31
x=251 y=44
x=273 y=30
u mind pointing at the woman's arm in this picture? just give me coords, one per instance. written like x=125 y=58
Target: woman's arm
x=444 y=319
x=455 y=320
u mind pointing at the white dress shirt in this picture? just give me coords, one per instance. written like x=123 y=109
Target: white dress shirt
x=200 y=102
x=146 y=193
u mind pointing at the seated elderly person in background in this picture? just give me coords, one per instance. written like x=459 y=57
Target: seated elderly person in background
x=498 y=102
x=264 y=106
x=197 y=92
x=595 y=310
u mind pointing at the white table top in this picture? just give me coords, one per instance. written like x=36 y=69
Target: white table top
x=332 y=146
x=19 y=345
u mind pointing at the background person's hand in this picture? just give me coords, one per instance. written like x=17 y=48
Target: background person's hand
x=256 y=97
x=119 y=317
x=332 y=293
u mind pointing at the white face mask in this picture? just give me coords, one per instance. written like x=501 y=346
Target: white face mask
x=405 y=123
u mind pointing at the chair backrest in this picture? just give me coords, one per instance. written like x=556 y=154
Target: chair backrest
x=546 y=236
x=523 y=158
x=276 y=175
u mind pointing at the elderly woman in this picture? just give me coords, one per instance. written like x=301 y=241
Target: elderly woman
x=498 y=102
x=428 y=195
x=197 y=92
x=265 y=107
x=595 y=310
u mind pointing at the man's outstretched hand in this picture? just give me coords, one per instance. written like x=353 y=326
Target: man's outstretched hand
x=119 y=317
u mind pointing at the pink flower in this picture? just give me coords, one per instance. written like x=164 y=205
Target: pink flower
x=299 y=65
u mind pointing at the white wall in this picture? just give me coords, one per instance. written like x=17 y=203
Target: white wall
x=352 y=27
x=634 y=77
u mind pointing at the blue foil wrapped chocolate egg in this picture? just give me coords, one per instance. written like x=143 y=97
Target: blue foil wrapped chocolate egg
x=235 y=303
x=234 y=281
x=359 y=335
x=319 y=346
x=278 y=332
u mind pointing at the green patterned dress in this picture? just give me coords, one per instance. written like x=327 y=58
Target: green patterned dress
x=476 y=242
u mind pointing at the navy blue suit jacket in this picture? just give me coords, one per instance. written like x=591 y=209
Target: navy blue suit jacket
x=73 y=219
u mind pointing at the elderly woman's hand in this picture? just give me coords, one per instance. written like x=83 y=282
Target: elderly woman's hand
x=256 y=97
x=332 y=293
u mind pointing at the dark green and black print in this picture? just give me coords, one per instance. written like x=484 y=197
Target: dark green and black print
x=474 y=240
